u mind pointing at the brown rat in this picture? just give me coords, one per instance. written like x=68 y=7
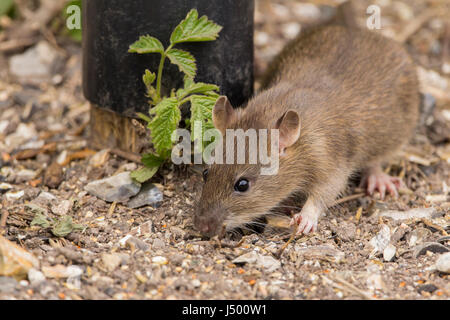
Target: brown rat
x=344 y=100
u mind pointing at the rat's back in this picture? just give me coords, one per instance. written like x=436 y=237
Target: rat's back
x=360 y=85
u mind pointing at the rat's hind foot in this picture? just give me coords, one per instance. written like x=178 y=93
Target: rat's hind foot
x=376 y=179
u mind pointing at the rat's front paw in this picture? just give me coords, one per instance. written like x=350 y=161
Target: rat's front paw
x=306 y=221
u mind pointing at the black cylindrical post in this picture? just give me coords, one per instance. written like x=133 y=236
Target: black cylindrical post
x=112 y=77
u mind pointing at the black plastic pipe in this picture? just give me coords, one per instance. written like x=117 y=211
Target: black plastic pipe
x=112 y=77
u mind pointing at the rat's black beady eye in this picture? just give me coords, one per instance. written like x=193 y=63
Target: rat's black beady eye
x=242 y=185
x=205 y=174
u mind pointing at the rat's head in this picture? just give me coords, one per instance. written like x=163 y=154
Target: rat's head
x=235 y=194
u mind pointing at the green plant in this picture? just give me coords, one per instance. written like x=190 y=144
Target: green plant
x=164 y=114
x=6 y=7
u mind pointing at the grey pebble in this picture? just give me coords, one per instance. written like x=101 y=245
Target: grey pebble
x=149 y=195
x=430 y=246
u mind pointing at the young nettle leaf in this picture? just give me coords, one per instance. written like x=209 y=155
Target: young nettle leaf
x=201 y=110
x=148 y=78
x=184 y=60
x=197 y=88
x=147 y=44
x=194 y=29
x=167 y=115
x=144 y=174
x=151 y=160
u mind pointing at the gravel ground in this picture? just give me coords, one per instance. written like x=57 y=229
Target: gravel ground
x=365 y=248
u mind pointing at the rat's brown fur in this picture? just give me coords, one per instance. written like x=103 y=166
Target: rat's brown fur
x=357 y=96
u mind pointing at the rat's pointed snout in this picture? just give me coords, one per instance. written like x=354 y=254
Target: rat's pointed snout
x=207 y=224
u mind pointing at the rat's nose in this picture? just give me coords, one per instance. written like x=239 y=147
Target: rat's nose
x=206 y=225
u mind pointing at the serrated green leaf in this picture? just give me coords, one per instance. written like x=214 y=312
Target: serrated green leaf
x=197 y=88
x=147 y=44
x=188 y=81
x=194 y=29
x=167 y=115
x=148 y=78
x=201 y=110
x=40 y=220
x=143 y=174
x=64 y=226
x=151 y=160
x=184 y=60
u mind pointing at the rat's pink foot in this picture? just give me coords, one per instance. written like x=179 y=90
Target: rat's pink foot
x=376 y=179
x=306 y=221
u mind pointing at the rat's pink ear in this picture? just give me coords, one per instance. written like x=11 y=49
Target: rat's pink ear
x=289 y=126
x=223 y=114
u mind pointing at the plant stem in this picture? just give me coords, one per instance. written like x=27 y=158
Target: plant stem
x=158 y=81
x=160 y=70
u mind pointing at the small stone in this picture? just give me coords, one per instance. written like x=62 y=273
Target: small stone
x=158 y=244
x=306 y=11
x=53 y=175
x=196 y=283
x=399 y=233
x=11 y=196
x=430 y=288
x=14 y=260
x=418 y=236
x=116 y=188
x=35 y=277
x=23 y=133
x=346 y=231
x=389 y=253
x=434 y=247
x=291 y=30
x=417 y=213
x=5 y=187
x=261 y=38
x=321 y=252
x=34 y=65
x=60 y=272
x=443 y=263
x=149 y=195
x=99 y=158
x=403 y=10
x=177 y=259
x=45 y=197
x=111 y=261
x=62 y=208
x=269 y=263
x=140 y=277
x=134 y=243
x=158 y=260
x=381 y=240
x=7 y=284
x=375 y=282
x=25 y=175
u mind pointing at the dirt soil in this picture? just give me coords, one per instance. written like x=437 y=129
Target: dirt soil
x=154 y=253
